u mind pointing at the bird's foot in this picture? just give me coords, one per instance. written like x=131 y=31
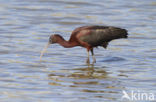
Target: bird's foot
x=94 y=61
x=88 y=61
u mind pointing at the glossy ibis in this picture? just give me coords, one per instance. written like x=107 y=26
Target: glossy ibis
x=89 y=37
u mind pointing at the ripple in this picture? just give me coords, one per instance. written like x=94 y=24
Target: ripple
x=63 y=75
x=113 y=59
x=69 y=23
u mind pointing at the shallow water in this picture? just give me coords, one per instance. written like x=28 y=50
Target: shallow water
x=62 y=75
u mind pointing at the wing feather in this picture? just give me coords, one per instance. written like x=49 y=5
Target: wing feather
x=98 y=37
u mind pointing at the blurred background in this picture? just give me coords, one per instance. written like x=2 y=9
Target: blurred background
x=63 y=76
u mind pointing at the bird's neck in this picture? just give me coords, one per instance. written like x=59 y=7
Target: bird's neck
x=65 y=43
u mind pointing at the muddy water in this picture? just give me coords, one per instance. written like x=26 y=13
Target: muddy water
x=63 y=76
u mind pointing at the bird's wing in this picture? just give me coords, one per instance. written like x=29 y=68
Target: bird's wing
x=76 y=33
x=97 y=37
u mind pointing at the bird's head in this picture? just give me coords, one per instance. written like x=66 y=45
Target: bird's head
x=54 y=38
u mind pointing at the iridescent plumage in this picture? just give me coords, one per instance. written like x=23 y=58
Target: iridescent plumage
x=90 y=37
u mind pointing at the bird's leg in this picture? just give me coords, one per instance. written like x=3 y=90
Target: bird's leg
x=94 y=59
x=88 y=61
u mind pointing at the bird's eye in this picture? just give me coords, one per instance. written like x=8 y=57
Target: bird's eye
x=50 y=40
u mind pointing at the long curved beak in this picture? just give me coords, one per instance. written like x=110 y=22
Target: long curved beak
x=44 y=50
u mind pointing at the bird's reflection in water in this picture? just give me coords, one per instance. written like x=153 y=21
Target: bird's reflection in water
x=90 y=80
x=77 y=76
x=89 y=72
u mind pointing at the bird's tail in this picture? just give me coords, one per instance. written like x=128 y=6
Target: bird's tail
x=125 y=33
x=119 y=33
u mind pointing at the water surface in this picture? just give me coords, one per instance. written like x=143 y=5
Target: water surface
x=63 y=76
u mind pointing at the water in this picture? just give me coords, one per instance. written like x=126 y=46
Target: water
x=62 y=75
